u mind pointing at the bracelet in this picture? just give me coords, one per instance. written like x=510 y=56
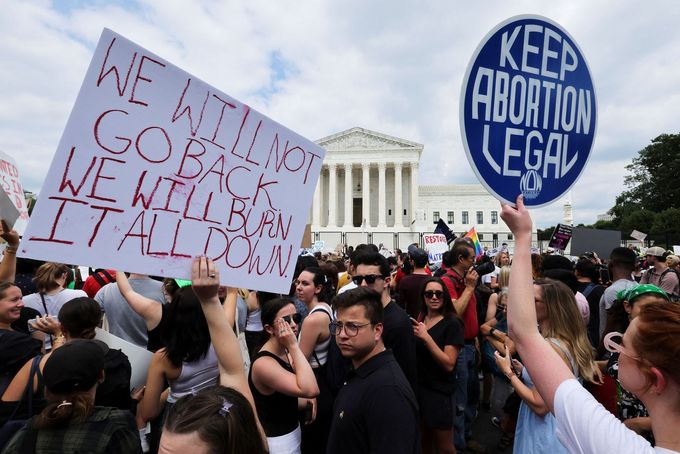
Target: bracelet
x=510 y=375
x=10 y=250
x=491 y=331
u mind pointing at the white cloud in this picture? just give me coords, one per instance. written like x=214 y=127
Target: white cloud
x=395 y=67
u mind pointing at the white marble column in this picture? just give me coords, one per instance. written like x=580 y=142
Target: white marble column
x=365 y=194
x=332 y=195
x=316 y=206
x=349 y=204
x=382 y=211
x=414 y=191
x=398 y=210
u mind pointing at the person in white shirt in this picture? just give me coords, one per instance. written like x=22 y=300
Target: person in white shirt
x=648 y=365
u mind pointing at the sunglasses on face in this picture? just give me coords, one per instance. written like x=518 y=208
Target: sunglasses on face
x=297 y=318
x=370 y=279
x=432 y=293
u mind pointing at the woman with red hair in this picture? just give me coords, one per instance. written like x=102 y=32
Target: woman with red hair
x=648 y=365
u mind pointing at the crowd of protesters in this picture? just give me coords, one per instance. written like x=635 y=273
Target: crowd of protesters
x=370 y=351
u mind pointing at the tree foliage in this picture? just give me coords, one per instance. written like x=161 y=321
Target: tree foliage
x=651 y=204
x=666 y=227
x=653 y=180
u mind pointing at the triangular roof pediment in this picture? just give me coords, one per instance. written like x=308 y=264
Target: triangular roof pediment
x=363 y=139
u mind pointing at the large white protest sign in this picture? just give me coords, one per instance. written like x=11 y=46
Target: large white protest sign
x=156 y=167
x=11 y=184
x=435 y=245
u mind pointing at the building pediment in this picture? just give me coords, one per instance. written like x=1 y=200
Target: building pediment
x=364 y=139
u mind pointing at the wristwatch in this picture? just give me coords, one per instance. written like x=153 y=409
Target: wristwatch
x=491 y=331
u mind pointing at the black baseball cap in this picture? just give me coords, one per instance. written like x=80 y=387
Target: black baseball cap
x=75 y=366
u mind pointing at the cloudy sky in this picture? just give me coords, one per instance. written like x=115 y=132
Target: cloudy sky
x=320 y=67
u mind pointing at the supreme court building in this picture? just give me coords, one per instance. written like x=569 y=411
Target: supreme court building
x=368 y=191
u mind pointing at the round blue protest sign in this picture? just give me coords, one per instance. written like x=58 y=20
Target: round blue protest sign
x=528 y=111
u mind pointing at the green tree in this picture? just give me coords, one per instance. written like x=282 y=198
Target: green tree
x=666 y=228
x=639 y=219
x=653 y=180
x=545 y=234
x=605 y=225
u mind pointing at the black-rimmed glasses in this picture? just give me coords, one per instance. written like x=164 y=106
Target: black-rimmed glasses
x=351 y=329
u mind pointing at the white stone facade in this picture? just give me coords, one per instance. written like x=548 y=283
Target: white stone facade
x=463 y=206
x=382 y=201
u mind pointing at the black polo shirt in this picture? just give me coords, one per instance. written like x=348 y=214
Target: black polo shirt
x=375 y=411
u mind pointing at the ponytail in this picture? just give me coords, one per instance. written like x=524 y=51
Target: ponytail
x=67 y=409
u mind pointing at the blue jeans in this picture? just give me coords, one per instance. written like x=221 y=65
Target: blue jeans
x=466 y=396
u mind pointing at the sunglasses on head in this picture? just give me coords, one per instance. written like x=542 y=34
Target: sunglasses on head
x=433 y=293
x=370 y=278
x=297 y=318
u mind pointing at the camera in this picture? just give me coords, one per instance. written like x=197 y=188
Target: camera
x=485 y=268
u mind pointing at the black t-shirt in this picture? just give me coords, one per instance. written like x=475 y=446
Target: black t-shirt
x=398 y=336
x=15 y=349
x=376 y=411
x=448 y=331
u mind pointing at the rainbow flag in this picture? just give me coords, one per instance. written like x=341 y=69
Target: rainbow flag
x=472 y=234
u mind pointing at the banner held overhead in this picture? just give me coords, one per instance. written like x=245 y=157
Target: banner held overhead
x=156 y=167
x=528 y=111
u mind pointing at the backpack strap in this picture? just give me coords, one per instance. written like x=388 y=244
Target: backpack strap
x=108 y=276
x=28 y=390
x=665 y=272
x=97 y=277
x=42 y=298
x=588 y=290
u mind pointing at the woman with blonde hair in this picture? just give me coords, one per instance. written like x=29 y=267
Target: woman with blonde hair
x=648 y=365
x=557 y=312
x=494 y=299
x=673 y=261
x=501 y=260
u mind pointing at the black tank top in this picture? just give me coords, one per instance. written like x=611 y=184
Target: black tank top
x=277 y=411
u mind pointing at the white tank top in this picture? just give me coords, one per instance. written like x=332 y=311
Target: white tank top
x=320 y=354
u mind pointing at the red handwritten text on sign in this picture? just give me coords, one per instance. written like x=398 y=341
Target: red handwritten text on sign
x=156 y=167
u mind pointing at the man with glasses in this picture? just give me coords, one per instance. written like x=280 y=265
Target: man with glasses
x=373 y=271
x=376 y=410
